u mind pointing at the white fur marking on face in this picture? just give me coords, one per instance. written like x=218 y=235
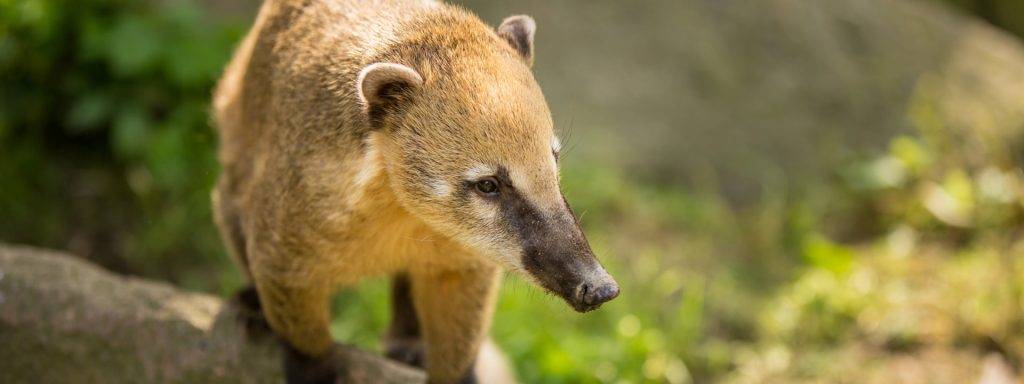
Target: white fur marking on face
x=556 y=145
x=371 y=163
x=440 y=188
x=520 y=182
x=480 y=170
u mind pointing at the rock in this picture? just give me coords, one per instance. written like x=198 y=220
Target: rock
x=65 y=320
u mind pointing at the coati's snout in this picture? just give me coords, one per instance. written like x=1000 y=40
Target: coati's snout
x=556 y=254
x=574 y=275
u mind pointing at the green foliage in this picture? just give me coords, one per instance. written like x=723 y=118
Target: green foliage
x=945 y=273
x=105 y=119
x=1006 y=14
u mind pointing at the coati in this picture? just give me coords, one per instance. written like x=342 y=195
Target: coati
x=396 y=138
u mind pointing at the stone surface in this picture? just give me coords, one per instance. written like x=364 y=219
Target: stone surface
x=65 y=320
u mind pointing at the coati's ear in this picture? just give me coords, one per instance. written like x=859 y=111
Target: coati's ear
x=382 y=87
x=518 y=32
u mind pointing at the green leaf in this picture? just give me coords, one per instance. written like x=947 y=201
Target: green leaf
x=911 y=152
x=134 y=46
x=822 y=253
x=88 y=112
x=130 y=132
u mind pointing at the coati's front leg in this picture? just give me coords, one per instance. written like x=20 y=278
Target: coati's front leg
x=300 y=315
x=454 y=312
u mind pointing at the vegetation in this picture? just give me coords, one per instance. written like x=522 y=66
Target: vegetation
x=104 y=128
x=107 y=151
x=1007 y=14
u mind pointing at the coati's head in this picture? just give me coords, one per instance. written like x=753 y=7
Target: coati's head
x=469 y=148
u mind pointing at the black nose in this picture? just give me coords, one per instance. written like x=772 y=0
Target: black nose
x=594 y=296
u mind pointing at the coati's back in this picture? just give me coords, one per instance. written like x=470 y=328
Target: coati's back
x=296 y=68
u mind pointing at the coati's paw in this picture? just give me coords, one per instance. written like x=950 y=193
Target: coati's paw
x=406 y=351
x=250 y=314
x=469 y=377
x=302 y=369
x=410 y=351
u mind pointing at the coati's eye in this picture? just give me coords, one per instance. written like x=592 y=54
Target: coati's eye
x=486 y=186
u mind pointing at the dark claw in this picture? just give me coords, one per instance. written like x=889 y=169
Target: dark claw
x=302 y=369
x=250 y=314
x=409 y=352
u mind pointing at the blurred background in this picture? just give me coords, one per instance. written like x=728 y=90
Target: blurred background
x=787 y=190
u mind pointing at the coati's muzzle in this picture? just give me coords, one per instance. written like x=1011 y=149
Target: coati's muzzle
x=577 y=277
x=557 y=255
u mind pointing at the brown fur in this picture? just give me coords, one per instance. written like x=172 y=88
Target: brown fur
x=319 y=192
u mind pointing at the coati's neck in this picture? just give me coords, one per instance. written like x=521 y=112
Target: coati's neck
x=408 y=237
